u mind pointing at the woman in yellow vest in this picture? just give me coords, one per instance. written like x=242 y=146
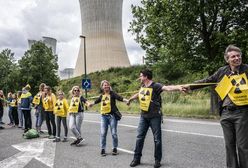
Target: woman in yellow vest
x=108 y=109
x=60 y=110
x=48 y=105
x=76 y=114
x=13 y=105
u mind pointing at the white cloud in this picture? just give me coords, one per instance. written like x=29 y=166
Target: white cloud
x=60 y=19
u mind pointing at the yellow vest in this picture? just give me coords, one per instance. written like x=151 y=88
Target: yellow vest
x=145 y=97
x=48 y=102
x=74 y=105
x=61 y=108
x=13 y=103
x=36 y=99
x=105 y=104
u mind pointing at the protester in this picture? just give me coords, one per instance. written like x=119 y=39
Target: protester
x=108 y=110
x=9 y=99
x=151 y=116
x=26 y=100
x=14 y=113
x=19 y=110
x=48 y=105
x=60 y=110
x=233 y=104
x=1 y=106
x=76 y=114
x=38 y=106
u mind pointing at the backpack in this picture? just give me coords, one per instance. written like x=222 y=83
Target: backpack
x=32 y=133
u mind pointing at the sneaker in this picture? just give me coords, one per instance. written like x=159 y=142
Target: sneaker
x=134 y=163
x=80 y=141
x=2 y=122
x=157 y=164
x=103 y=153
x=64 y=140
x=56 y=140
x=19 y=126
x=114 y=152
x=51 y=137
x=74 y=142
x=1 y=127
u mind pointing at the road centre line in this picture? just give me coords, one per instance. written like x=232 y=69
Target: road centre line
x=173 y=120
x=166 y=130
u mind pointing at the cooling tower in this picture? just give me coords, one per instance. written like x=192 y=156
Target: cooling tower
x=48 y=41
x=102 y=27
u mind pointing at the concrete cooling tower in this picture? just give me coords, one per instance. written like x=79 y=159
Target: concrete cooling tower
x=102 y=27
x=48 y=41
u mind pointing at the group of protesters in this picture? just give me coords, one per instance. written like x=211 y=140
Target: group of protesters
x=233 y=110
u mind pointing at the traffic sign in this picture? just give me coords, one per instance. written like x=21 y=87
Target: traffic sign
x=86 y=84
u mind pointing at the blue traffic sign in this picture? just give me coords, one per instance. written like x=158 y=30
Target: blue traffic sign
x=86 y=84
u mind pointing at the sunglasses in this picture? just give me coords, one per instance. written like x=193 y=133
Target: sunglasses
x=76 y=90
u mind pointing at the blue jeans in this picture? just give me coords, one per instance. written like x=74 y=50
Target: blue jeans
x=144 y=124
x=11 y=119
x=108 y=120
x=20 y=116
x=39 y=116
x=75 y=122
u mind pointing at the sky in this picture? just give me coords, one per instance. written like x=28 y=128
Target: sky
x=21 y=20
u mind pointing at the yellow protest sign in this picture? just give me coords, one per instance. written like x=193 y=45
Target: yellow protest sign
x=223 y=87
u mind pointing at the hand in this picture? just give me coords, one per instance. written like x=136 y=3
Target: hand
x=185 y=88
x=128 y=102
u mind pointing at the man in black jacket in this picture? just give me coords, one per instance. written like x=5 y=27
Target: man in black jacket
x=232 y=89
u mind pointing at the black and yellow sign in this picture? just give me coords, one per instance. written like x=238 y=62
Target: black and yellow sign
x=236 y=87
x=105 y=104
x=36 y=99
x=145 y=97
x=74 y=105
x=59 y=108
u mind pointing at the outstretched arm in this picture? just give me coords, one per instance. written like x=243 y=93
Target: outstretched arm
x=173 y=88
x=132 y=98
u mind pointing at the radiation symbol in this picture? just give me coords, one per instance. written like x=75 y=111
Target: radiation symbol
x=237 y=85
x=144 y=94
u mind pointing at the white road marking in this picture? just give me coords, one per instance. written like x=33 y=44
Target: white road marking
x=166 y=130
x=42 y=150
x=173 y=120
x=126 y=151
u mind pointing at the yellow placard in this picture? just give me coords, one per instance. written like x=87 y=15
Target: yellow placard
x=145 y=96
x=59 y=108
x=74 y=105
x=105 y=104
x=224 y=87
x=36 y=100
x=239 y=92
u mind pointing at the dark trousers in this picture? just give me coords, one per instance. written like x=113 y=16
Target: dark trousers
x=63 y=119
x=235 y=129
x=15 y=115
x=144 y=124
x=27 y=119
x=1 y=113
x=50 y=119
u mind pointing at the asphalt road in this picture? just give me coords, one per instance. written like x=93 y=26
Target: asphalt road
x=186 y=144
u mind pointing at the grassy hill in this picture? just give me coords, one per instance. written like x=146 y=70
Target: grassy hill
x=195 y=104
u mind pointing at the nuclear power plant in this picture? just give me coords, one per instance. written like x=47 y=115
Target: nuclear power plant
x=102 y=29
x=48 y=41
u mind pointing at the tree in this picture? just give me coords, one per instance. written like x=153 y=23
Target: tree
x=39 y=65
x=9 y=71
x=190 y=34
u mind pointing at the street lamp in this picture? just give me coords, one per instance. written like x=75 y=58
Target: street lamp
x=85 y=72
